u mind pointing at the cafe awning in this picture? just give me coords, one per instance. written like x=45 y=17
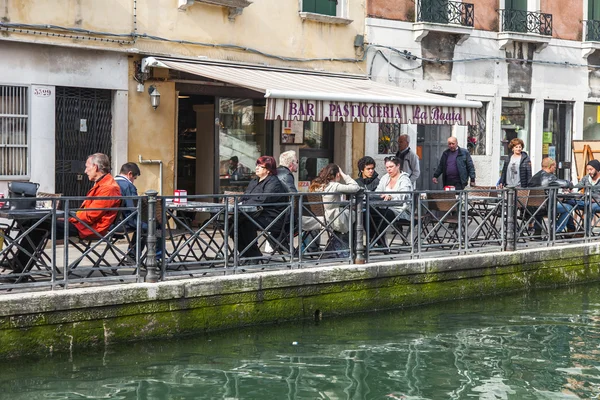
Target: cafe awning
x=305 y=95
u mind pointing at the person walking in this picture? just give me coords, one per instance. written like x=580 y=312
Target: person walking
x=456 y=166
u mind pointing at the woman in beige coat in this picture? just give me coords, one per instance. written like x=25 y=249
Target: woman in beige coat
x=333 y=180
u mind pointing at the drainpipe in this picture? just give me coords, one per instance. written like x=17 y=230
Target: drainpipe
x=160 y=171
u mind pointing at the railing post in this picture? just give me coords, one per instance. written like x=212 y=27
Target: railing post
x=360 y=247
x=510 y=219
x=152 y=275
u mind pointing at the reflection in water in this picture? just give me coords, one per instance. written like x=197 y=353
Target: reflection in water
x=542 y=345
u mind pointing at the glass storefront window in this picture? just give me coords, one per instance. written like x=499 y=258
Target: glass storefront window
x=242 y=139
x=476 y=134
x=591 y=122
x=514 y=123
x=556 y=136
x=388 y=138
x=317 y=150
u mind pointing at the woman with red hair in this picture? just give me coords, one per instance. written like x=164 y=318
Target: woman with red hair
x=261 y=191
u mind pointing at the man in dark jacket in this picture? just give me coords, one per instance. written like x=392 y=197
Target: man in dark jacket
x=546 y=178
x=288 y=164
x=456 y=166
x=367 y=176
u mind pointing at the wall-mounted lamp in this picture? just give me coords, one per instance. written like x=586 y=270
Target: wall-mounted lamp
x=154 y=96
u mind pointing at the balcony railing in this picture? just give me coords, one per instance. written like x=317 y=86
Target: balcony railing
x=526 y=22
x=592 y=31
x=446 y=12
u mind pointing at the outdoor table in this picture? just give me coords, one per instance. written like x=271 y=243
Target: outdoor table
x=200 y=245
x=483 y=212
x=21 y=223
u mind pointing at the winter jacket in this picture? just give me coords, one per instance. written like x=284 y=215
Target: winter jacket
x=409 y=163
x=100 y=220
x=127 y=189
x=402 y=200
x=368 y=183
x=524 y=170
x=287 y=178
x=336 y=213
x=464 y=162
x=546 y=179
x=271 y=184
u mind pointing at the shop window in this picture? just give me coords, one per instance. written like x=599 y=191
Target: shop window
x=242 y=139
x=388 y=138
x=591 y=122
x=317 y=150
x=14 y=129
x=514 y=123
x=476 y=134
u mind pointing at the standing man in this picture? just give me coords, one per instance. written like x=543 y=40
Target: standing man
x=409 y=161
x=456 y=166
x=288 y=164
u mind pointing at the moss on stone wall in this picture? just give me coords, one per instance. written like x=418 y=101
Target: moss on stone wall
x=154 y=311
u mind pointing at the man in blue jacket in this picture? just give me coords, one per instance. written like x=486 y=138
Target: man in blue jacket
x=456 y=166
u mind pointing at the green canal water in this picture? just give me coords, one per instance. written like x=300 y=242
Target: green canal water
x=539 y=345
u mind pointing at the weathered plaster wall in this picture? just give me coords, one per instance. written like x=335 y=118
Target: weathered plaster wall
x=567 y=16
x=276 y=23
x=152 y=134
x=520 y=72
x=46 y=322
x=400 y=10
x=486 y=14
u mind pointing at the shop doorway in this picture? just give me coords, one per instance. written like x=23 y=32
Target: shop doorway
x=432 y=140
x=317 y=150
x=557 y=134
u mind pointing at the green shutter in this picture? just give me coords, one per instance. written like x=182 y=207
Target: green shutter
x=515 y=21
x=434 y=11
x=516 y=5
x=326 y=7
x=594 y=10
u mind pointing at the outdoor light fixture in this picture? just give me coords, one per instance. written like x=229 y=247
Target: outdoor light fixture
x=154 y=96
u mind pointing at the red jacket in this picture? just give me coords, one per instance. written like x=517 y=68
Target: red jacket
x=100 y=220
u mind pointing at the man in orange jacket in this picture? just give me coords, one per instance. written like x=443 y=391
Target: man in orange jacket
x=94 y=223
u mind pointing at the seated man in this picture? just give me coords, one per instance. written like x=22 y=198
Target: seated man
x=590 y=181
x=546 y=178
x=97 y=168
x=368 y=178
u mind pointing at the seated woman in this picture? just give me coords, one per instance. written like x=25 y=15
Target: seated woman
x=332 y=179
x=395 y=180
x=266 y=182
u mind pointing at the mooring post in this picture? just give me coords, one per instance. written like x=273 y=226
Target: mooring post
x=510 y=220
x=152 y=275
x=360 y=248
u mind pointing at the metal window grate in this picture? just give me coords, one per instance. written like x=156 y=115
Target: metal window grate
x=14 y=141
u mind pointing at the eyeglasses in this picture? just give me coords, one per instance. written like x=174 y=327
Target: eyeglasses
x=261 y=166
x=390 y=158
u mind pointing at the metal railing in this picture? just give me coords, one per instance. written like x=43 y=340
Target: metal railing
x=526 y=22
x=446 y=12
x=592 y=30
x=157 y=238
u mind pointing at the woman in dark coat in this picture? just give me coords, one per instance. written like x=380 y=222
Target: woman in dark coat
x=266 y=182
x=516 y=171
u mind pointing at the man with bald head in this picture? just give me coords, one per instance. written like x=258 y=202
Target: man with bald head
x=456 y=166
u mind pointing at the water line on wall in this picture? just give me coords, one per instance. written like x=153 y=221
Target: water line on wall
x=160 y=171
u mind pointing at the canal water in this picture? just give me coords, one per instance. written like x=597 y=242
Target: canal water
x=539 y=345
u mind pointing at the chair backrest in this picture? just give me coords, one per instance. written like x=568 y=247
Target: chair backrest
x=522 y=198
x=536 y=198
x=230 y=200
x=444 y=202
x=484 y=191
x=315 y=204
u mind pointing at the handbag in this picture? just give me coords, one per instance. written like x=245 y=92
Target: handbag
x=22 y=190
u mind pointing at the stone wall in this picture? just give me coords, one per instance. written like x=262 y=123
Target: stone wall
x=45 y=322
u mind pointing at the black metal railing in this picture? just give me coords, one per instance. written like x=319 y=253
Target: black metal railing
x=526 y=22
x=446 y=12
x=592 y=30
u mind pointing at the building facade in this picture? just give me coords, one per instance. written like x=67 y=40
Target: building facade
x=532 y=63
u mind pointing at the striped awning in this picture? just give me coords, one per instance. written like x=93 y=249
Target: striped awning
x=304 y=95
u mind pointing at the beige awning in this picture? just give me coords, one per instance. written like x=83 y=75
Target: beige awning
x=310 y=95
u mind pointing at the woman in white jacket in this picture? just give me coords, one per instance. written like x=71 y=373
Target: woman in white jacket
x=398 y=182
x=333 y=180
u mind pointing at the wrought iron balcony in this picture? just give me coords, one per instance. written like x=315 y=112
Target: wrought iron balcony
x=526 y=22
x=445 y=12
x=592 y=31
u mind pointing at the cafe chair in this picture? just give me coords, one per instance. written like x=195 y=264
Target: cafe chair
x=442 y=216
